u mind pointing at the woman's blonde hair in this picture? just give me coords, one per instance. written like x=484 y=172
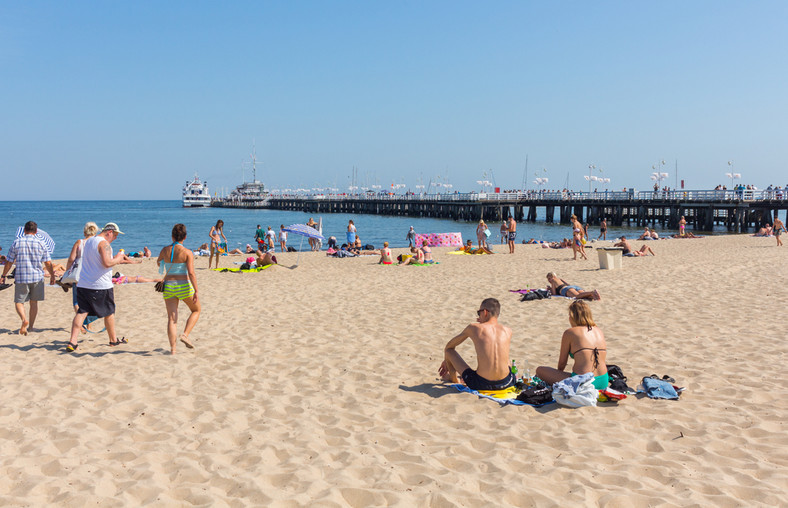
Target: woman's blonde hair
x=90 y=229
x=580 y=314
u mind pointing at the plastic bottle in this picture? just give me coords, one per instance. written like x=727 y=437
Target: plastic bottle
x=527 y=373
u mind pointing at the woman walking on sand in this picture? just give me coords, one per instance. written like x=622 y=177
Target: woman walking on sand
x=283 y=238
x=180 y=283
x=216 y=235
x=577 y=238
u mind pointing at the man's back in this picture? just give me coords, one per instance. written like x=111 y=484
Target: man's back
x=492 y=342
x=28 y=253
x=94 y=275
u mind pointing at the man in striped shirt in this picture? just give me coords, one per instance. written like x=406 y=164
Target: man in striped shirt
x=28 y=254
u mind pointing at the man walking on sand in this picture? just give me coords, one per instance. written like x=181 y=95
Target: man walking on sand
x=28 y=254
x=492 y=341
x=512 y=231
x=96 y=296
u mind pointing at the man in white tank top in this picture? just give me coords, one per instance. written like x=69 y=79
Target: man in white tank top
x=95 y=295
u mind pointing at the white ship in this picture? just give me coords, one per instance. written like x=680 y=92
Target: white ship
x=248 y=194
x=195 y=193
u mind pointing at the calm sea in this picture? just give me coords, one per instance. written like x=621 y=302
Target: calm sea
x=149 y=223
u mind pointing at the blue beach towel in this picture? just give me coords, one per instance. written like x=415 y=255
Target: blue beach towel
x=502 y=401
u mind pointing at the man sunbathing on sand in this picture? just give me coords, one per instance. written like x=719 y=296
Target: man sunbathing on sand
x=491 y=340
x=645 y=250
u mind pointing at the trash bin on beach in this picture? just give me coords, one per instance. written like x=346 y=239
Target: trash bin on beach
x=610 y=257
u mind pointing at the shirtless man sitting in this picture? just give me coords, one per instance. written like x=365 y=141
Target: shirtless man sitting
x=491 y=340
x=645 y=250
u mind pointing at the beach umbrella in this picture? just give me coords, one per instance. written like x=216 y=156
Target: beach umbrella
x=303 y=231
x=42 y=235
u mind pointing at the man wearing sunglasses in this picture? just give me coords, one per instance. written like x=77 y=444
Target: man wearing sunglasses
x=491 y=340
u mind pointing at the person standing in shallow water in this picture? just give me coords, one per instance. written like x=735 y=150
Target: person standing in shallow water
x=176 y=262
x=603 y=230
x=411 y=237
x=351 y=233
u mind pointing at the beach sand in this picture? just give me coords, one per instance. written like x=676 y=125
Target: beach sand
x=318 y=385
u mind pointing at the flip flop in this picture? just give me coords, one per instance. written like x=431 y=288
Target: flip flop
x=120 y=341
x=668 y=379
x=71 y=347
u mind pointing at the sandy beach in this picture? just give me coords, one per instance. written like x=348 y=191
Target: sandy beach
x=317 y=385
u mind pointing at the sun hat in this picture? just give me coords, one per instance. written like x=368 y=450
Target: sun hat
x=111 y=226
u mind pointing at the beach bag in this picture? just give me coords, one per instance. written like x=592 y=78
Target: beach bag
x=71 y=276
x=537 y=394
x=618 y=381
x=246 y=266
x=487 y=233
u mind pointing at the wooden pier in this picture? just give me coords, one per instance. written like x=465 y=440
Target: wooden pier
x=737 y=210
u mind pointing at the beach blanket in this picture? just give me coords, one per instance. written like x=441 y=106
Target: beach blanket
x=423 y=264
x=238 y=270
x=440 y=239
x=502 y=397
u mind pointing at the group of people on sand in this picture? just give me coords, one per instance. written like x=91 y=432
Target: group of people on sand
x=583 y=341
x=93 y=294
x=776 y=230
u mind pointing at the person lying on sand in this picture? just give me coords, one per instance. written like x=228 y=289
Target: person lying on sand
x=585 y=343
x=265 y=258
x=491 y=340
x=764 y=231
x=645 y=250
x=687 y=234
x=563 y=244
x=559 y=287
x=119 y=278
x=470 y=250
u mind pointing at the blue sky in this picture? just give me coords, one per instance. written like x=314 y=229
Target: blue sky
x=126 y=100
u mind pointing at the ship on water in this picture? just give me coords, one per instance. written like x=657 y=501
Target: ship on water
x=248 y=194
x=195 y=193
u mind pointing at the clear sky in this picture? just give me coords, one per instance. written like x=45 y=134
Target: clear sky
x=127 y=100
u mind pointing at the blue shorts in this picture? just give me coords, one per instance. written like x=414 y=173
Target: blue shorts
x=475 y=382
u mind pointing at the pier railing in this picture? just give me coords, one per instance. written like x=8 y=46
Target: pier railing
x=677 y=196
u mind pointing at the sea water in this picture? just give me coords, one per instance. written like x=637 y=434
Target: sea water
x=149 y=223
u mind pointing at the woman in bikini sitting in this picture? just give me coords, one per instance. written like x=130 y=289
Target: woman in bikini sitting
x=560 y=287
x=585 y=343
x=385 y=255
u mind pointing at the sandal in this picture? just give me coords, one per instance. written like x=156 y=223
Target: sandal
x=71 y=347
x=668 y=379
x=118 y=342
